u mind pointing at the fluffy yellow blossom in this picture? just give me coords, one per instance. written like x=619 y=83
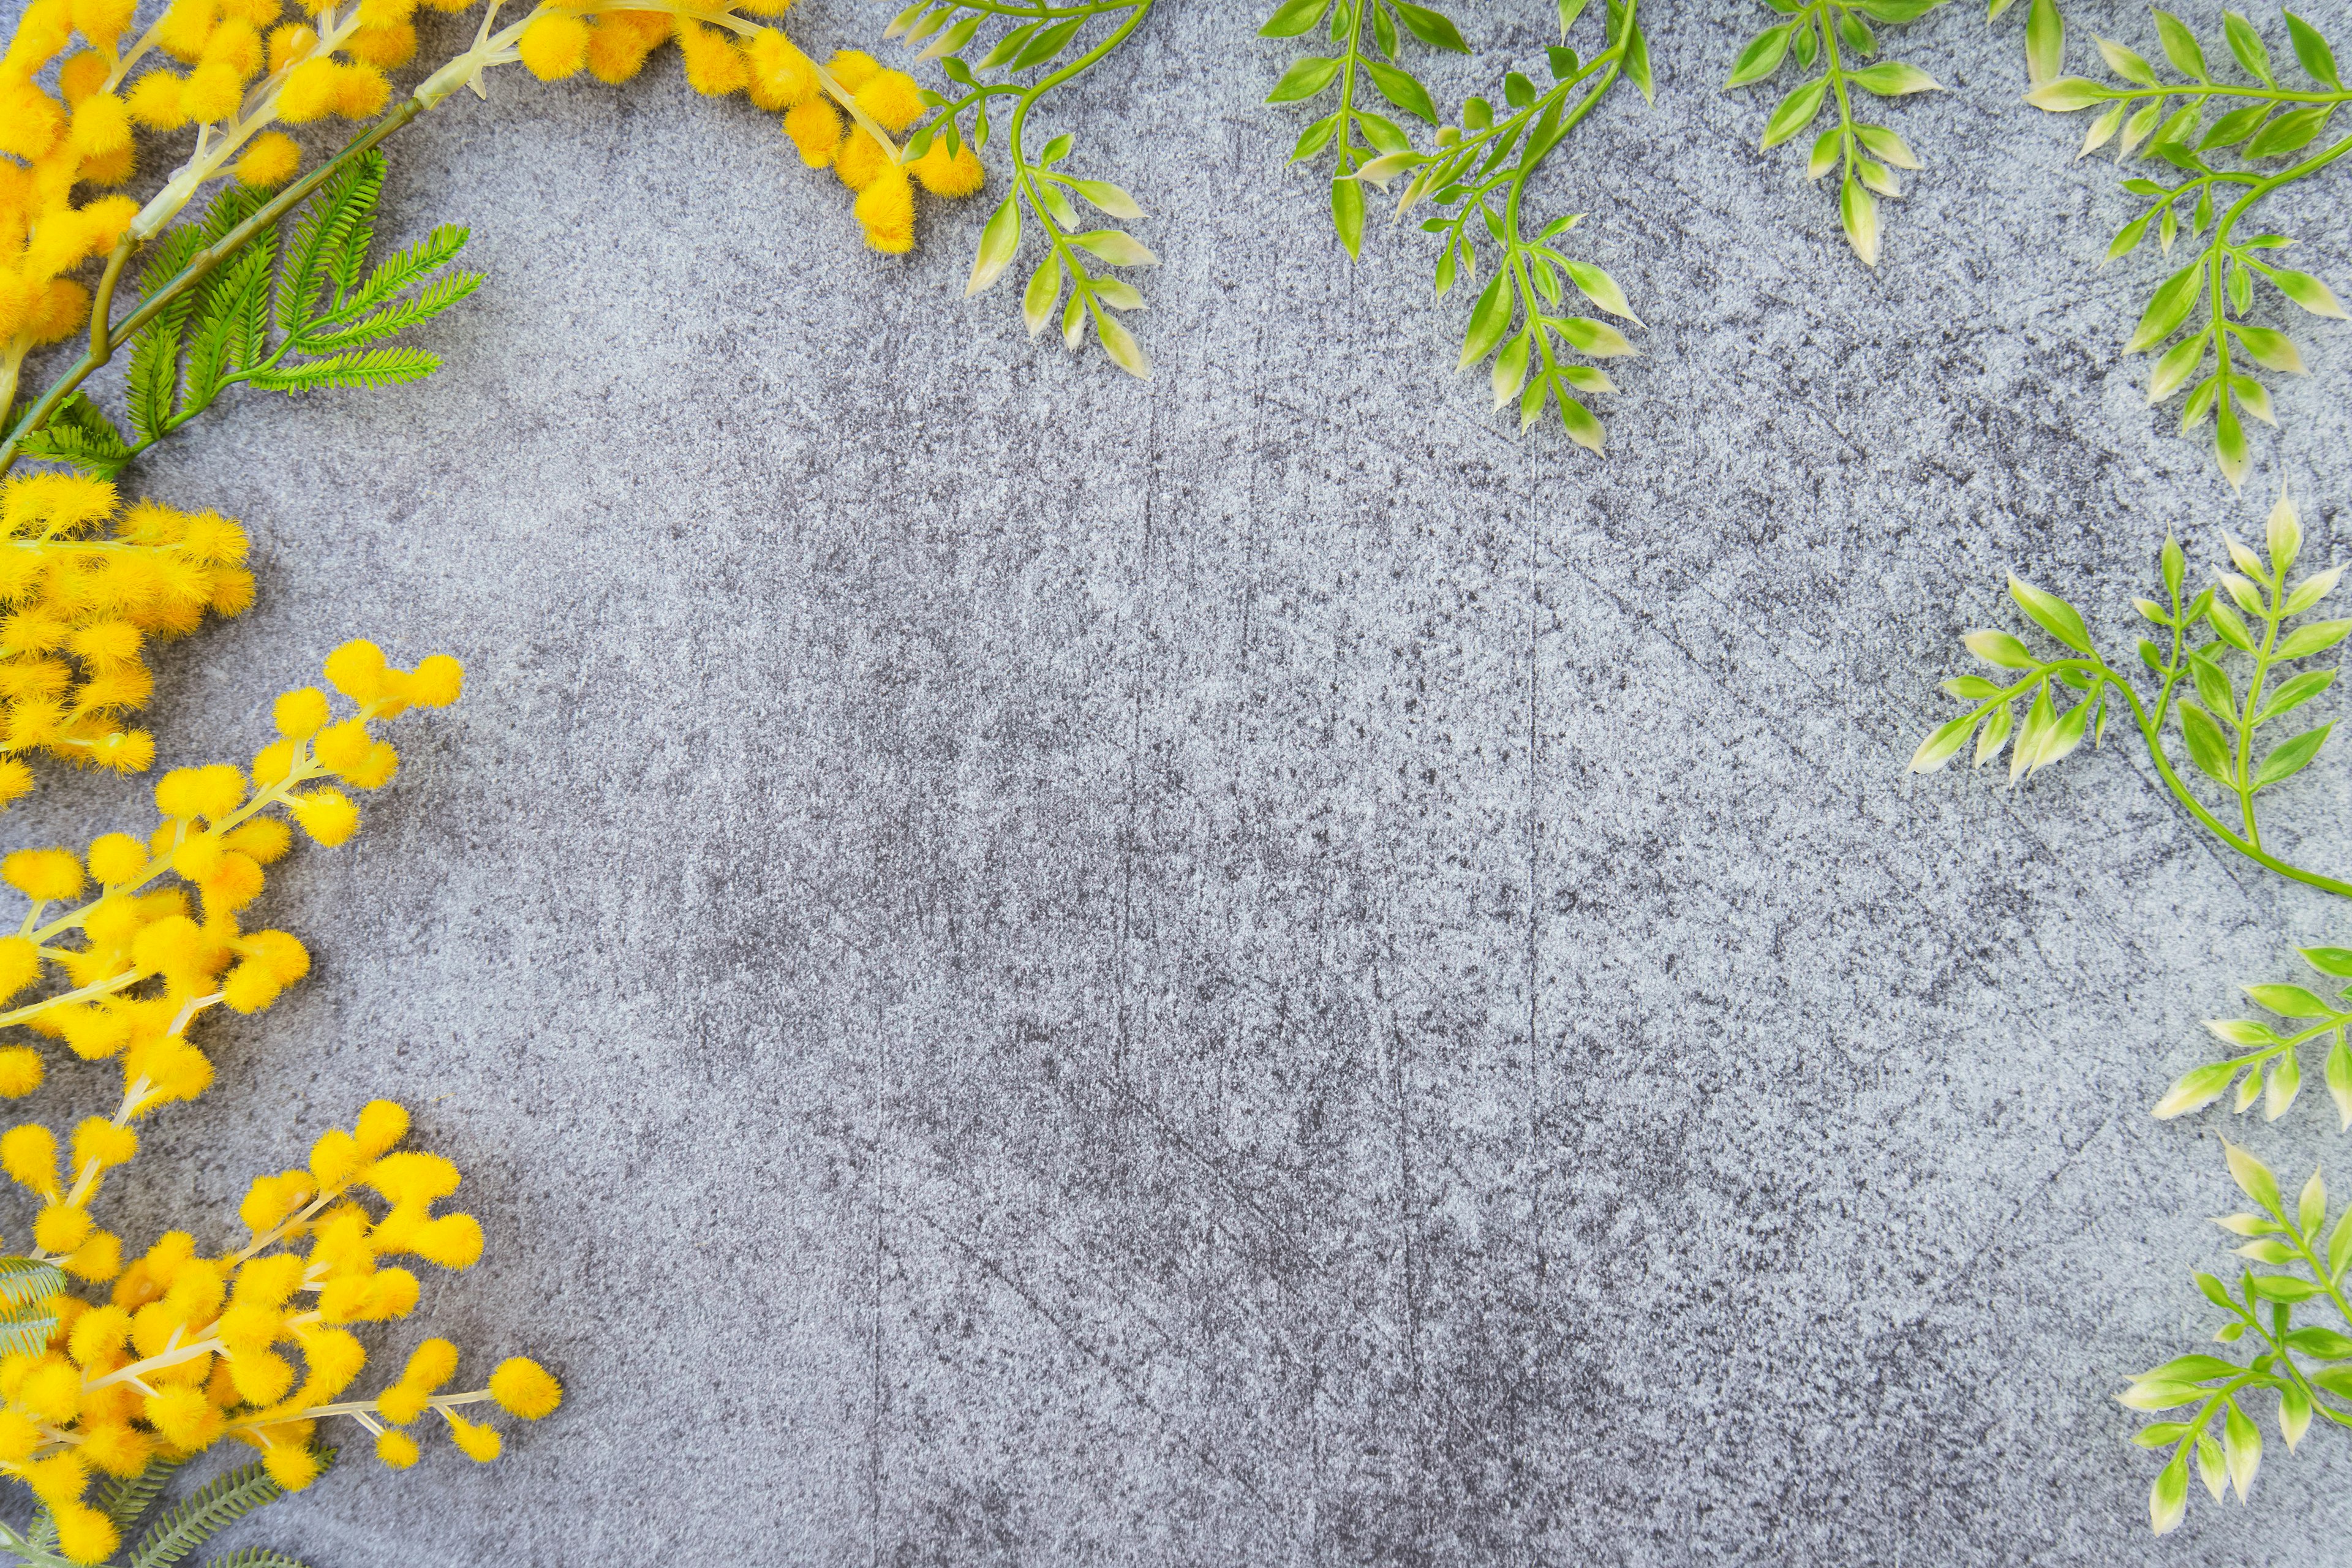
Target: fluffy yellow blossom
x=844 y=114
x=229 y=67
x=152 y=937
x=258 y=1344
x=85 y=586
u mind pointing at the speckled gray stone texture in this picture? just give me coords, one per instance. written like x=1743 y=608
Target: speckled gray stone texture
x=1031 y=968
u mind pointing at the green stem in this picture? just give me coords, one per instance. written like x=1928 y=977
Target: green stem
x=1835 y=70
x=199 y=267
x=1027 y=173
x=1347 y=89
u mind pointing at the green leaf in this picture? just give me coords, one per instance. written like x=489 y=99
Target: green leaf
x=1117 y=249
x=1431 y=27
x=1581 y=427
x=2065 y=94
x=2285 y=1288
x=2168 y=308
x=1293 y=18
x=1400 y=88
x=2305 y=289
x=2208 y=747
x=1489 y=320
x=1045 y=291
x=320 y=246
x=1048 y=43
x=198 y=1518
x=1943 y=744
x=124 y=1498
x=78 y=433
x=366 y=368
x=2051 y=614
x=2196 y=1090
x=2289 y=1001
x=2180 y=45
x=2247 y=45
x=2288 y=133
x=1892 y=80
x=1795 y=111
x=28 y=1282
x=2190 y=1369
x=2324 y=1343
x=1122 y=348
x=2253 y=1178
x=1305 y=79
x=2317 y=637
x=2332 y=961
x=1348 y=214
x=1761 y=57
x=2045 y=42
x=998 y=242
x=2125 y=62
x=1637 y=71
x=2289 y=758
x=2318 y=59
x=2293 y=694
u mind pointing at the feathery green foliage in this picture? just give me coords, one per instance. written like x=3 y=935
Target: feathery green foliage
x=2308 y=1369
x=1480 y=169
x=2188 y=124
x=1825 y=33
x=27 y=1288
x=1315 y=74
x=316 y=289
x=1024 y=37
x=195 y=1520
x=2274 y=1072
x=178 y=1530
x=2246 y=612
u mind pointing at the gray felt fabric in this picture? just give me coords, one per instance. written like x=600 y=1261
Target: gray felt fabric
x=1031 y=968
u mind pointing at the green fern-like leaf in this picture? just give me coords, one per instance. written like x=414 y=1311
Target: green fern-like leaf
x=25 y=1282
x=323 y=239
x=196 y=1519
x=397 y=274
x=80 y=435
x=430 y=302
x=220 y=327
x=369 y=367
x=126 y=1498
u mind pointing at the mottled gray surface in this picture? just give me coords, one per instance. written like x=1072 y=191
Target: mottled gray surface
x=1031 y=968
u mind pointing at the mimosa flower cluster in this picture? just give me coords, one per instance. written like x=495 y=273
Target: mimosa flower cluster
x=247 y=68
x=85 y=586
x=257 y=1343
x=186 y=1351
x=843 y=114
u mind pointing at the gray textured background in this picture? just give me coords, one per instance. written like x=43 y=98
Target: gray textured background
x=1029 y=968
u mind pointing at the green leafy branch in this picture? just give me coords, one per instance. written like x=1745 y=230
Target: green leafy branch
x=2306 y=1367
x=1026 y=39
x=2147 y=116
x=1816 y=31
x=326 y=304
x=177 y=1531
x=2045 y=38
x=1315 y=74
x=2218 y=728
x=2273 y=1073
x=1480 y=169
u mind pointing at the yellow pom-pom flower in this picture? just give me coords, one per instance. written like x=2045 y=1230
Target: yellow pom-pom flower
x=270 y=160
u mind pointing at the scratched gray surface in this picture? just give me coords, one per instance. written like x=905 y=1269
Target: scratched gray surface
x=1031 y=968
